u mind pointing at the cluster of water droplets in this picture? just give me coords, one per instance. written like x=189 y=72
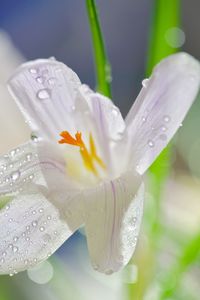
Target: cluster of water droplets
x=131 y=223
x=15 y=169
x=17 y=246
x=159 y=132
x=45 y=81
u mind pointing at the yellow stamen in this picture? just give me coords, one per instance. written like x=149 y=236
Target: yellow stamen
x=88 y=157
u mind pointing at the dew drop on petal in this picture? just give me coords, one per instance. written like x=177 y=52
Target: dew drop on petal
x=163 y=128
x=15 y=249
x=115 y=112
x=34 y=137
x=40 y=79
x=51 y=81
x=151 y=143
x=7 y=207
x=15 y=239
x=166 y=119
x=15 y=175
x=33 y=71
x=29 y=156
x=43 y=94
x=12 y=153
x=34 y=223
x=145 y=82
x=42 y=228
x=144 y=119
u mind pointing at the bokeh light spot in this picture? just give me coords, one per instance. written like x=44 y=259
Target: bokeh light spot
x=41 y=273
x=175 y=37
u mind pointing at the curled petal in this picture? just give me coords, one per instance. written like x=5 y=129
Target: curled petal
x=39 y=208
x=113 y=217
x=160 y=108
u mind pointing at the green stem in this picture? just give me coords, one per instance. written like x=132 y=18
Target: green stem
x=103 y=69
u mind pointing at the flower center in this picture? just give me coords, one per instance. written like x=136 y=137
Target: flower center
x=89 y=156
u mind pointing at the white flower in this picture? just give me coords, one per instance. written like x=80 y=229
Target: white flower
x=87 y=163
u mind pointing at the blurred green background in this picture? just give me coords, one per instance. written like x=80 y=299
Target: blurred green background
x=167 y=261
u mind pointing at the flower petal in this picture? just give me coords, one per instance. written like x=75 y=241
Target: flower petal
x=160 y=108
x=40 y=209
x=113 y=217
x=45 y=91
x=107 y=121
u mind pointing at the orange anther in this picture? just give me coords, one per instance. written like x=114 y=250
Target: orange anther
x=88 y=157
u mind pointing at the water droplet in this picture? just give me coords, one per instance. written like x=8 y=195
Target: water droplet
x=73 y=107
x=7 y=207
x=15 y=175
x=34 y=137
x=42 y=228
x=51 y=81
x=29 y=156
x=151 y=143
x=145 y=82
x=144 y=119
x=181 y=125
x=166 y=119
x=34 y=223
x=15 y=239
x=15 y=249
x=12 y=152
x=41 y=210
x=44 y=94
x=10 y=246
x=33 y=71
x=163 y=128
x=40 y=79
x=2 y=260
x=115 y=112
